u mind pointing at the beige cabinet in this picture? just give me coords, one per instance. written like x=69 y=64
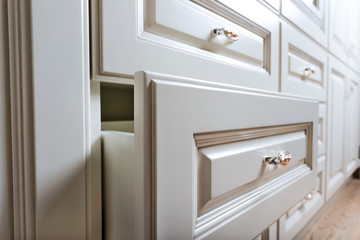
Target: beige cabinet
x=206 y=161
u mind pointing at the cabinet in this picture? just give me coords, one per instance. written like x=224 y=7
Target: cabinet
x=207 y=157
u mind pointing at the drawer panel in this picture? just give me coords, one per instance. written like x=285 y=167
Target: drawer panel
x=180 y=34
x=303 y=65
x=204 y=160
x=220 y=164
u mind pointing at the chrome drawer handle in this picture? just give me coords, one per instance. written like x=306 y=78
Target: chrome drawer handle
x=308 y=71
x=309 y=197
x=230 y=34
x=282 y=159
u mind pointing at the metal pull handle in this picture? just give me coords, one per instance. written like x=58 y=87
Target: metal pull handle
x=309 y=197
x=230 y=34
x=282 y=159
x=308 y=71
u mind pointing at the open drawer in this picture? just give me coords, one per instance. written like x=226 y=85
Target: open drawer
x=201 y=157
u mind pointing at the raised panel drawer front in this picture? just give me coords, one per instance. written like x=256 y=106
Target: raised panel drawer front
x=210 y=152
x=303 y=65
x=214 y=40
x=309 y=15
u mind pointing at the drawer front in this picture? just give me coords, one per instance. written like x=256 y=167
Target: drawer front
x=310 y=16
x=208 y=169
x=299 y=215
x=213 y=40
x=303 y=65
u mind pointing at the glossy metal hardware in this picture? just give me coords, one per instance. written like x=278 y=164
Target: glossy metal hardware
x=308 y=71
x=230 y=34
x=308 y=197
x=282 y=159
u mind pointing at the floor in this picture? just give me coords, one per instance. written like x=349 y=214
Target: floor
x=342 y=219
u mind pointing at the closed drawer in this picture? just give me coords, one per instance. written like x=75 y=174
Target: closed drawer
x=208 y=169
x=309 y=15
x=303 y=65
x=180 y=33
x=299 y=215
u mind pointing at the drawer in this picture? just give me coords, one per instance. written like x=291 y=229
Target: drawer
x=310 y=16
x=303 y=65
x=205 y=161
x=190 y=46
x=299 y=215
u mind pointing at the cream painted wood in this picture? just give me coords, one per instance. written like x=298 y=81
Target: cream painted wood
x=167 y=141
x=322 y=130
x=351 y=123
x=336 y=92
x=6 y=208
x=309 y=18
x=118 y=184
x=301 y=56
x=297 y=217
x=353 y=34
x=338 y=29
x=144 y=29
x=93 y=169
x=344 y=34
x=61 y=99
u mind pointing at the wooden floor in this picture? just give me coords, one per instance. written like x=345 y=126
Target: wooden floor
x=342 y=219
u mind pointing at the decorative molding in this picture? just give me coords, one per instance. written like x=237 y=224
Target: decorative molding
x=22 y=118
x=214 y=138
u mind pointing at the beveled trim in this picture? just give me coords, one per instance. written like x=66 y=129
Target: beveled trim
x=233 y=16
x=22 y=118
x=215 y=138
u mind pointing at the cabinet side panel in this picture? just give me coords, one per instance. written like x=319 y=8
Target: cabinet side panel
x=60 y=58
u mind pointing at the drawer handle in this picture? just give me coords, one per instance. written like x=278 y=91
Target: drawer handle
x=308 y=71
x=309 y=197
x=282 y=159
x=230 y=34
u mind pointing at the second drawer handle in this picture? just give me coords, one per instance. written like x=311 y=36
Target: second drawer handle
x=230 y=34
x=282 y=159
x=308 y=71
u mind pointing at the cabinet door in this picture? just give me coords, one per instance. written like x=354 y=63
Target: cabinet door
x=303 y=65
x=177 y=37
x=351 y=123
x=338 y=28
x=309 y=15
x=336 y=110
x=353 y=34
x=202 y=147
